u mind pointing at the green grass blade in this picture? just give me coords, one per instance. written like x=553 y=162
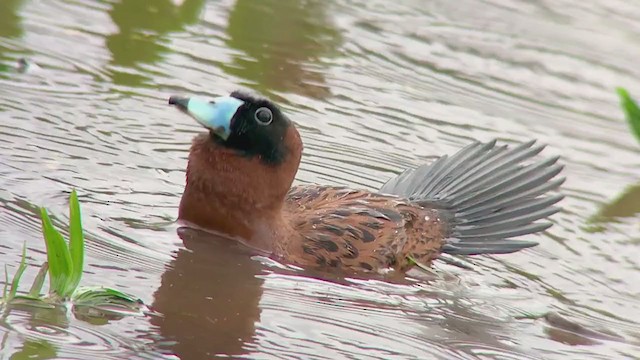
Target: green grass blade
x=631 y=110
x=60 y=265
x=16 y=278
x=419 y=265
x=36 y=287
x=76 y=241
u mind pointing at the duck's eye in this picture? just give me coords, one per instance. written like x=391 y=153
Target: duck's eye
x=264 y=116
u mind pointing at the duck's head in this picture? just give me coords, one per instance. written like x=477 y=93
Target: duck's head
x=250 y=125
x=243 y=166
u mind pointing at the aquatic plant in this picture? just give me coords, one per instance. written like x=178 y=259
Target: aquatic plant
x=631 y=110
x=64 y=266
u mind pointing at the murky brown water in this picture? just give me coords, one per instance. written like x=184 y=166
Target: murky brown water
x=375 y=86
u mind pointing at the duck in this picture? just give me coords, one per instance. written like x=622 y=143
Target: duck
x=239 y=184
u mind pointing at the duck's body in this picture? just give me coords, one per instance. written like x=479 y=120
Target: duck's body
x=239 y=181
x=339 y=227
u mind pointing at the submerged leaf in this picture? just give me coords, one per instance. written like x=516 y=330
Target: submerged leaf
x=632 y=111
x=94 y=293
x=36 y=302
x=76 y=242
x=60 y=265
x=107 y=300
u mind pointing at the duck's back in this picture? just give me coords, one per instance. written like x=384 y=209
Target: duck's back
x=474 y=202
x=338 y=227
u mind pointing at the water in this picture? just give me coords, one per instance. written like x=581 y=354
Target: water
x=374 y=86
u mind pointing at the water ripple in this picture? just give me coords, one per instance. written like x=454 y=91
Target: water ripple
x=49 y=333
x=374 y=87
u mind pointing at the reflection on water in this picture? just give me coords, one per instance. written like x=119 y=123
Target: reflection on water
x=142 y=33
x=37 y=333
x=282 y=53
x=35 y=349
x=10 y=27
x=374 y=86
x=210 y=292
x=216 y=300
x=625 y=205
x=10 y=22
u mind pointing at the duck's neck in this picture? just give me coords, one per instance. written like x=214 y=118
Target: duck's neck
x=255 y=226
x=232 y=194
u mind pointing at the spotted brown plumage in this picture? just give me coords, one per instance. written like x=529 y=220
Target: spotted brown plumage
x=239 y=179
x=337 y=227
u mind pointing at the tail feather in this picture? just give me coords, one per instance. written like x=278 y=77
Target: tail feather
x=498 y=234
x=443 y=175
x=517 y=210
x=466 y=171
x=496 y=167
x=491 y=193
x=489 y=248
x=511 y=223
x=513 y=200
x=529 y=177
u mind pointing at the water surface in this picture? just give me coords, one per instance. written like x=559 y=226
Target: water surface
x=374 y=86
